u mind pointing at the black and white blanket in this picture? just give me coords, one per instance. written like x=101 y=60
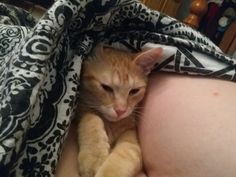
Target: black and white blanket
x=40 y=67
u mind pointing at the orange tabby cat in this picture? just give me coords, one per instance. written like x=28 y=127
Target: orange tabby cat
x=113 y=82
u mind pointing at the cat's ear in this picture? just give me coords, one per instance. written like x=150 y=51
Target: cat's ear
x=146 y=60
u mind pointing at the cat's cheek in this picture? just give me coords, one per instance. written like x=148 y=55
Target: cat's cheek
x=108 y=113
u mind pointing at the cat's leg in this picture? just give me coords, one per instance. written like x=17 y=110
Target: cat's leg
x=125 y=159
x=93 y=144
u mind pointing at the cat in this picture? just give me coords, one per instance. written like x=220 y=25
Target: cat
x=113 y=82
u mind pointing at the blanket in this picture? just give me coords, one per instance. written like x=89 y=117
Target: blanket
x=40 y=64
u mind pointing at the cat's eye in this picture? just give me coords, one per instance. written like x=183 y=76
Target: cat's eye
x=134 y=91
x=107 y=88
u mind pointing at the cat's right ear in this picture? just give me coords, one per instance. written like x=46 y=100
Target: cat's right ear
x=146 y=60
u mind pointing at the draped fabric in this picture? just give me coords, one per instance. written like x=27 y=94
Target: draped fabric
x=40 y=65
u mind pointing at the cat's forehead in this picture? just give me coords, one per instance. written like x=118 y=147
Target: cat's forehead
x=117 y=78
x=116 y=68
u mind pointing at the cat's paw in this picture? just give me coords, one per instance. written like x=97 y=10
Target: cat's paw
x=86 y=174
x=110 y=171
x=113 y=173
x=104 y=174
x=89 y=164
x=86 y=171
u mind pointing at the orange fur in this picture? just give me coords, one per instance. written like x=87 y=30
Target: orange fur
x=112 y=84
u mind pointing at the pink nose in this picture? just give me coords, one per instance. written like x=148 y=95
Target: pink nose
x=120 y=112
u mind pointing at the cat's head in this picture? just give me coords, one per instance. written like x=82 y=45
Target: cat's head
x=114 y=82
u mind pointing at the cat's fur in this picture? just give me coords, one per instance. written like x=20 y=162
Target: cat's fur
x=113 y=82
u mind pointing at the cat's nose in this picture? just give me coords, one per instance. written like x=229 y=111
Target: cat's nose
x=120 y=112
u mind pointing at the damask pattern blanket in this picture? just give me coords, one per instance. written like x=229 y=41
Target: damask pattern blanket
x=40 y=65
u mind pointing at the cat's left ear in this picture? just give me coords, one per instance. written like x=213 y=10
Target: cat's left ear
x=147 y=59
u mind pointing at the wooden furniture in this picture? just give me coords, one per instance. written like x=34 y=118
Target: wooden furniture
x=197 y=10
x=169 y=7
x=228 y=42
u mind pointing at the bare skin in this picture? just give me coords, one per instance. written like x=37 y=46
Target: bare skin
x=188 y=129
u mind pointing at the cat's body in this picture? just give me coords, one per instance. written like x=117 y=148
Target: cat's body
x=113 y=83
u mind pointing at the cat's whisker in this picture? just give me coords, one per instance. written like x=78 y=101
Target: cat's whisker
x=138 y=115
x=139 y=106
x=89 y=102
x=138 y=111
x=91 y=106
x=139 y=119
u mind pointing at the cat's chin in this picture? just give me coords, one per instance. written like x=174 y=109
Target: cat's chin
x=114 y=118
